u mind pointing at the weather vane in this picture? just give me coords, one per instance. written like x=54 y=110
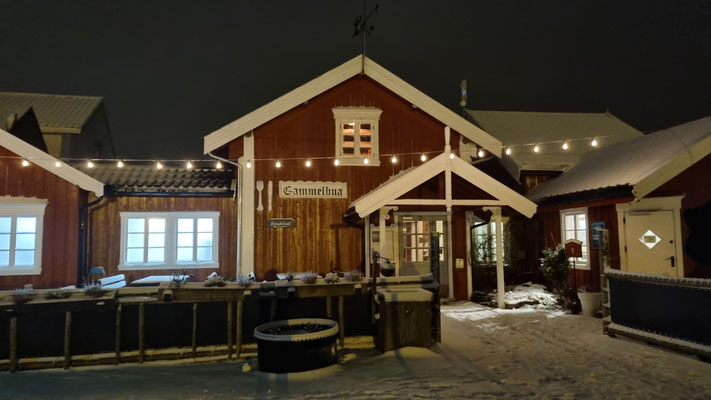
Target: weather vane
x=361 y=27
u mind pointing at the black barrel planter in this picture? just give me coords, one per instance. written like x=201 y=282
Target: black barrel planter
x=295 y=345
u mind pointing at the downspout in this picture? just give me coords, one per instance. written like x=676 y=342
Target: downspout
x=83 y=222
x=238 y=193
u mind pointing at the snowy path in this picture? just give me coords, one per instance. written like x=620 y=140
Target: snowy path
x=484 y=353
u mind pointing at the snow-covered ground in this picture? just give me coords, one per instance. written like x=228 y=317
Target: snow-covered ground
x=485 y=353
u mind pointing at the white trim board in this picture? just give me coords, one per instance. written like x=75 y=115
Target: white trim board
x=46 y=161
x=339 y=75
x=388 y=193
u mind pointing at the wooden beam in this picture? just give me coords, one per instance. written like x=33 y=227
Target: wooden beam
x=240 y=317
x=141 y=332
x=341 y=323
x=230 y=331
x=117 y=345
x=194 y=343
x=67 y=339
x=329 y=309
x=13 y=343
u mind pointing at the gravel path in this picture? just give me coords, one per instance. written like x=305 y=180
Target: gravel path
x=487 y=354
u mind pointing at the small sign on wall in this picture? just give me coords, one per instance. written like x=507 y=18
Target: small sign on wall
x=281 y=223
x=312 y=190
x=596 y=227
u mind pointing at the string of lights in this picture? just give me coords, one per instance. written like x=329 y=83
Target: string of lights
x=535 y=147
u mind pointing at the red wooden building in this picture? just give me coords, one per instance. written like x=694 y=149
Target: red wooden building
x=357 y=161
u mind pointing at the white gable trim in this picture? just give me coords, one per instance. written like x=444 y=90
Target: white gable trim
x=336 y=76
x=44 y=160
x=396 y=187
x=677 y=165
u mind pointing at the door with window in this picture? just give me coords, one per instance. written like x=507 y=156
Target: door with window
x=650 y=243
x=415 y=254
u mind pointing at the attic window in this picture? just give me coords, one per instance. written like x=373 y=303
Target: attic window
x=357 y=135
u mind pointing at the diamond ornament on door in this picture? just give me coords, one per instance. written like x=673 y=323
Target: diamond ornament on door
x=650 y=239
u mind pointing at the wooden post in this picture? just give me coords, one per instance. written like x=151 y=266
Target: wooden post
x=141 y=332
x=240 y=316
x=230 y=332
x=13 y=343
x=67 y=339
x=341 y=324
x=195 y=305
x=117 y=348
x=329 y=308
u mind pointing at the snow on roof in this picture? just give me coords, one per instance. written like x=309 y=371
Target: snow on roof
x=642 y=163
x=522 y=130
x=336 y=76
x=55 y=113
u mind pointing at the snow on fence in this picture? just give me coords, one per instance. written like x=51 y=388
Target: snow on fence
x=137 y=324
x=668 y=311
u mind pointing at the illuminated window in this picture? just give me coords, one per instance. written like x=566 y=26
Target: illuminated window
x=21 y=236
x=484 y=246
x=574 y=225
x=357 y=135
x=164 y=240
x=416 y=239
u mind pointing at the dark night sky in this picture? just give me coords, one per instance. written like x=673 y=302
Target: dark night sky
x=173 y=71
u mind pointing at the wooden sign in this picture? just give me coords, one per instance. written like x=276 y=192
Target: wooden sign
x=281 y=223
x=312 y=190
x=573 y=248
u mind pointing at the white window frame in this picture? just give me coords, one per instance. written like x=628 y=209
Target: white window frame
x=357 y=115
x=579 y=264
x=171 y=240
x=15 y=207
x=489 y=230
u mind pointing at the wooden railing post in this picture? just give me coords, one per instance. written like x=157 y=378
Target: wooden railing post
x=13 y=343
x=141 y=332
x=117 y=344
x=230 y=331
x=67 y=339
x=195 y=307
x=240 y=316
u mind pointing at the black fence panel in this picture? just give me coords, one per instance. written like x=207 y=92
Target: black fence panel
x=4 y=338
x=672 y=310
x=32 y=335
x=93 y=332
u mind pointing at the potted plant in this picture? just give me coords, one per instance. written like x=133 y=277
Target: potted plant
x=590 y=300
x=555 y=267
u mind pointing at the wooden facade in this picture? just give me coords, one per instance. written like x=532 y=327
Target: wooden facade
x=61 y=220
x=104 y=239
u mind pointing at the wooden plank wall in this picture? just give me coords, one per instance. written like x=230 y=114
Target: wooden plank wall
x=105 y=233
x=321 y=240
x=61 y=220
x=693 y=184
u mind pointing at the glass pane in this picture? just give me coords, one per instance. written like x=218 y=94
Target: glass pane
x=156 y=240
x=136 y=224
x=26 y=224
x=4 y=258
x=581 y=221
x=204 y=239
x=156 y=255
x=134 y=255
x=135 y=240
x=185 y=224
x=204 y=224
x=185 y=254
x=423 y=227
x=204 y=254
x=185 y=239
x=425 y=254
x=5 y=223
x=569 y=222
x=24 y=257
x=365 y=128
x=409 y=227
x=410 y=241
x=25 y=241
x=423 y=241
x=410 y=255
x=4 y=241
x=440 y=226
x=156 y=225
x=569 y=235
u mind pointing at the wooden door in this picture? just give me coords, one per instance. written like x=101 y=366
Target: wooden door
x=650 y=243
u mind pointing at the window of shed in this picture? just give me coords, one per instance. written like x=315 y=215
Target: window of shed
x=21 y=235
x=357 y=135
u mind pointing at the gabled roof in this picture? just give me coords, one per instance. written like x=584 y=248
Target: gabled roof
x=44 y=160
x=521 y=130
x=145 y=178
x=336 y=76
x=55 y=113
x=410 y=178
x=641 y=164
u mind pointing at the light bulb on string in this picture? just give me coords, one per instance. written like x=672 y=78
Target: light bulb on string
x=393 y=160
x=565 y=146
x=593 y=143
x=89 y=164
x=536 y=149
x=423 y=158
x=336 y=162
x=508 y=151
x=308 y=163
x=119 y=164
x=480 y=153
x=25 y=163
x=249 y=165
x=278 y=164
x=189 y=165
x=159 y=165
x=365 y=161
x=451 y=156
x=57 y=164
x=218 y=165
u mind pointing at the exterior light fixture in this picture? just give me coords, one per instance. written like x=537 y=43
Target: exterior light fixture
x=423 y=158
x=536 y=149
x=565 y=146
x=89 y=164
x=25 y=163
x=593 y=143
x=393 y=160
x=119 y=164
x=336 y=162
x=278 y=164
x=159 y=165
